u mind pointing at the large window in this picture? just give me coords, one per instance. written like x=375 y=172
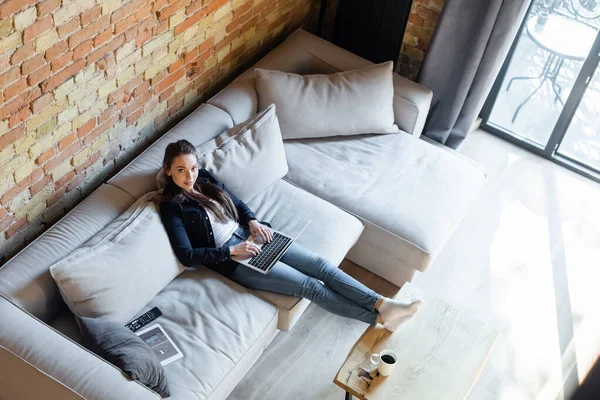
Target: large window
x=547 y=96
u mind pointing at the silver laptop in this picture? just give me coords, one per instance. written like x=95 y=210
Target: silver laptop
x=270 y=252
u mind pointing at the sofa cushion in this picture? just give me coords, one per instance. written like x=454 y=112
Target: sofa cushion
x=121 y=268
x=414 y=191
x=250 y=160
x=343 y=103
x=331 y=233
x=139 y=176
x=215 y=323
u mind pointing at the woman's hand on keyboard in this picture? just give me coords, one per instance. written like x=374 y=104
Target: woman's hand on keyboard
x=261 y=233
x=244 y=249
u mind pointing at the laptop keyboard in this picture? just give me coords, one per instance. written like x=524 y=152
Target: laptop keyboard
x=269 y=251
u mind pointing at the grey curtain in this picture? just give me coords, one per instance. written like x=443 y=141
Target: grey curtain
x=470 y=43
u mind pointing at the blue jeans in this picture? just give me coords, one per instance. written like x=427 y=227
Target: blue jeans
x=298 y=274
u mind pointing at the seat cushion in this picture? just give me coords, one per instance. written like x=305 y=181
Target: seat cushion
x=414 y=191
x=331 y=233
x=215 y=323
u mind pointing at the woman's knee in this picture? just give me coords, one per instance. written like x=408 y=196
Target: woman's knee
x=326 y=267
x=318 y=261
x=311 y=287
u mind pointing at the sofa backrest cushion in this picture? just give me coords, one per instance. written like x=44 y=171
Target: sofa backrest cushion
x=239 y=99
x=119 y=270
x=139 y=177
x=250 y=158
x=344 y=103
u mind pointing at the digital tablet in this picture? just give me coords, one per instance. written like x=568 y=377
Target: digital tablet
x=162 y=345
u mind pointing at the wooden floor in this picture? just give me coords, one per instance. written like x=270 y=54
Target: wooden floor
x=526 y=258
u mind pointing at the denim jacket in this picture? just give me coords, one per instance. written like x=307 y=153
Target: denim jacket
x=191 y=234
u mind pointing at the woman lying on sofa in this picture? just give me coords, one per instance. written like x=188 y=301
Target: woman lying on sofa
x=207 y=225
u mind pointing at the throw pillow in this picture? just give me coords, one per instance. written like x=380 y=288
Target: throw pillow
x=121 y=268
x=124 y=349
x=344 y=103
x=247 y=158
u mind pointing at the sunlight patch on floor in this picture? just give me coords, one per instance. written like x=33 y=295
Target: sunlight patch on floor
x=523 y=292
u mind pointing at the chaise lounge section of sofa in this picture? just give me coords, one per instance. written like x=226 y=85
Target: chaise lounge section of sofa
x=409 y=193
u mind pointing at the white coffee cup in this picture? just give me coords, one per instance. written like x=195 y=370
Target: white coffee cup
x=384 y=364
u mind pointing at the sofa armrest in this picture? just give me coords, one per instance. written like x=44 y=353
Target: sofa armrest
x=27 y=382
x=411 y=105
x=411 y=100
x=53 y=361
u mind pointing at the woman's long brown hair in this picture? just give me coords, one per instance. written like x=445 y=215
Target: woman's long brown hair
x=206 y=190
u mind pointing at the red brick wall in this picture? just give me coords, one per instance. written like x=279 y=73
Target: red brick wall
x=423 y=17
x=85 y=85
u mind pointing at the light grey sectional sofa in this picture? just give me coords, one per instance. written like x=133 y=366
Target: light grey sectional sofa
x=387 y=202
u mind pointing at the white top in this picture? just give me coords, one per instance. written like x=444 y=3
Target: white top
x=222 y=231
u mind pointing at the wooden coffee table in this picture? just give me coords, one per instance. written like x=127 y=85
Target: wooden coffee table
x=441 y=353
